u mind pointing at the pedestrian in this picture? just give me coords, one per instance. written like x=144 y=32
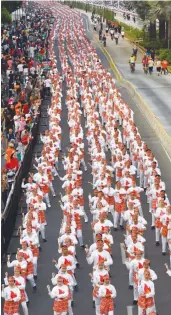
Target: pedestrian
x=104 y=40
x=10 y=136
x=158 y=66
x=100 y=34
x=150 y=65
x=116 y=37
x=123 y=34
x=164 y=65
x=112 y=33
x=135 y=51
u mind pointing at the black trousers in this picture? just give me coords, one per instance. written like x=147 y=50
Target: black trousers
x=4 y=196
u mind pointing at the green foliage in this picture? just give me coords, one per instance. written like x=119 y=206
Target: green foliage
x=142 y=8
x=165 y=54
x=156 y=44
x=5 y=16
x=11 y=6
x=160 y=9
x=131 y=32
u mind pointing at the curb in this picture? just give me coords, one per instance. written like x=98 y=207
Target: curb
x=154 y=122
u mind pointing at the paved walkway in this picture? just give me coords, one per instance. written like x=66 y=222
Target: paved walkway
x=156 y=91
x=138 y=22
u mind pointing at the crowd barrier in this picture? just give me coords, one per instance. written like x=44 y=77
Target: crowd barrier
x=10 y=212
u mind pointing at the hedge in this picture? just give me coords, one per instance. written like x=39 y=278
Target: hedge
x=5 y=16
x=165 y=54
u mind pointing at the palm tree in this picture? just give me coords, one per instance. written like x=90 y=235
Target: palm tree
x=162 y=11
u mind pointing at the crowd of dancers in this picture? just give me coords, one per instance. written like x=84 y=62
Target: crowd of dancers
x=109 y=129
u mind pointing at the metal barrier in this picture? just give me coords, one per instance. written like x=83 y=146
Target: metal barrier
x=10 y=212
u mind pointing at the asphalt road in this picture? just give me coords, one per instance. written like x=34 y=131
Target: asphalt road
x=40 y=301
x=154 y=89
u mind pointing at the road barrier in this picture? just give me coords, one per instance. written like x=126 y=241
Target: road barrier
x=10 y=213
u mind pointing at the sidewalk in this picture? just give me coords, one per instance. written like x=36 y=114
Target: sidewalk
x=138 y=24
x=154 y=90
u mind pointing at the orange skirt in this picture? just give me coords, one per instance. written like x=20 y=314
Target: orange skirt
x=164 y=230
x=60 y=306
x=119 y=207
x=158 y=223
x=106 y=305
x=41 y=216
x=45 y=189
x=24 y=273
x=11 y=307
x=30 y=268
x=35 y=251
x=145 y=302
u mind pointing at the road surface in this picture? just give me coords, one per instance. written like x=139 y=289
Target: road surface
x=155 y=90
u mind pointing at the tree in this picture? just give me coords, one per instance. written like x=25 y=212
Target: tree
x=11 y=6
x=162 y=11
x=142 y=8
x=5 y=16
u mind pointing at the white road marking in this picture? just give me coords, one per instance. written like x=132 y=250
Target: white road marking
x=130 y=310
x=123 y=256
x=87 y=24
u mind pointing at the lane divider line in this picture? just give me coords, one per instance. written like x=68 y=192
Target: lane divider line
x=130 y=310
x=123 y=256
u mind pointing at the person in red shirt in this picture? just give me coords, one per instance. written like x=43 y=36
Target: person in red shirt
x=13 y=163
x=164 y=64
x=145 y=62
x=25 y=108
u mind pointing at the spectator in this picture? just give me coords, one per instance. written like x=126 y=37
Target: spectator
x=13 y=162
x=9 y=151
x=10 y=135
x=4 y=185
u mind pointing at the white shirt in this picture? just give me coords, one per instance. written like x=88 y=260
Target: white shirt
x=55 y=293
x=95 y=256
x=6 y=293
x=62 y=260
x=150 y=285
x=110 y=287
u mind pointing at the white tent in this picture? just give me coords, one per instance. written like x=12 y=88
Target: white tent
x=16 y=15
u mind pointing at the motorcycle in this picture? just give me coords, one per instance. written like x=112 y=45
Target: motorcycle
x=132 y=67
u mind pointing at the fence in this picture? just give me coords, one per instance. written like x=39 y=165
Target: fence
x=10 y=212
